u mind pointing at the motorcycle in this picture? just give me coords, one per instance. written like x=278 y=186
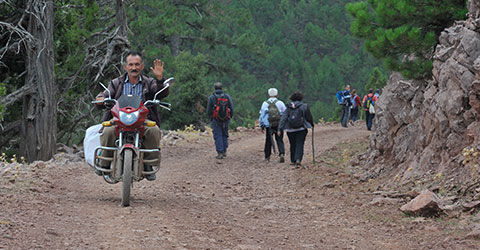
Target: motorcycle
x=129 y=118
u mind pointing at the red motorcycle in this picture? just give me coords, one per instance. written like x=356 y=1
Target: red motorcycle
x=129 y=118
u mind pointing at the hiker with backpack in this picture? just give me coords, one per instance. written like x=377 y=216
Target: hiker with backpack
x=356 y=102
x=345 y=100
x=270 y=115
x=369 y=104
x=296 y=121
x=220 y=111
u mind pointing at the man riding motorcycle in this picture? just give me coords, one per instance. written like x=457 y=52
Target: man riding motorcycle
x=134 y=83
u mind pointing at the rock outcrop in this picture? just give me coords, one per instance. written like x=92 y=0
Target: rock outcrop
x=422 y=126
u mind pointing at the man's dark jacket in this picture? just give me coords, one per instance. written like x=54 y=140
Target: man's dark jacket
x=150 y=86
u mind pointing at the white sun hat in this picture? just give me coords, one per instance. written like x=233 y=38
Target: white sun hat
x=272 y=92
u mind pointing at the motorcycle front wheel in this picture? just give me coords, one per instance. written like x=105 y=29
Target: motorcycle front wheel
x=127 y=177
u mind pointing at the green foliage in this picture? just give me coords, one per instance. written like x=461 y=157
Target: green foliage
x=377 y=80
x=188 y=93
x=404 y=32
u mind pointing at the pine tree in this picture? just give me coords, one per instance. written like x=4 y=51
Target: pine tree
x=404 y=32
x=377 y=80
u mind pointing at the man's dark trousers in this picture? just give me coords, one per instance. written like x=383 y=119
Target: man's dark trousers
x=297 y=141
x=220 y=134
x=369 y=118
x=345 y=114
x=269 y=139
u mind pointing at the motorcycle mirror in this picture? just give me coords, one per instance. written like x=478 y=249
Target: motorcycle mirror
x=109 y=96
x=166 y=84
x=169 y=81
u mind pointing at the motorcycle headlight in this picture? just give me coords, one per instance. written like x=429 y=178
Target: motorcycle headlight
x=129 y=118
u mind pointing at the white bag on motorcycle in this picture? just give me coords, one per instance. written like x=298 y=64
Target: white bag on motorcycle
x=90 y=142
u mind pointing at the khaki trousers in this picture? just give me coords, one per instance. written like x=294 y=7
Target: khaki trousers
x=151 y=140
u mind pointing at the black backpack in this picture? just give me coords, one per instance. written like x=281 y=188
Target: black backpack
x=273 y=114
x=295 y=117
x=221 y=111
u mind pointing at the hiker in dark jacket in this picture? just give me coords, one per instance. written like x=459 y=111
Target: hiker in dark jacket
x=219 y=124
x=347 y=102
x=134 y=83
x=296 y=127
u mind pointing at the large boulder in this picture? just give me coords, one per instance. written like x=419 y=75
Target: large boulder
x=425 y=204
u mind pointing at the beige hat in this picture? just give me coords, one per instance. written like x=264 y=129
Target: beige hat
x=272 y=92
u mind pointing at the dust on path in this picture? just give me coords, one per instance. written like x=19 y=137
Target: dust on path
x=197 y=202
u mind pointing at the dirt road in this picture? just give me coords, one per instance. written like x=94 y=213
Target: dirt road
x=197 y=202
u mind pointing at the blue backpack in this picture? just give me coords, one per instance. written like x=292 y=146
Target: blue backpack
x=344 y=97
x=340 y=97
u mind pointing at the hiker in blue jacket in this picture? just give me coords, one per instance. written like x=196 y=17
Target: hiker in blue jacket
x=220 y=111
x=270 y=115
x=345 y=102
x=296 y=120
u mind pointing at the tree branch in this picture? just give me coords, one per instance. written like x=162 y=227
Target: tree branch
x=18 y=94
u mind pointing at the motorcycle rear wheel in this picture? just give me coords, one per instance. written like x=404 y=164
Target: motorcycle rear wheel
x=127 y=177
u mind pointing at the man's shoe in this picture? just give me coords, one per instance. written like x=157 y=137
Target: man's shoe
x=150 y=177
x=219 y=156
x=282 y=159
x=267 y=158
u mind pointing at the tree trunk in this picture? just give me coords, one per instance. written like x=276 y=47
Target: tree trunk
x=121 y=18
x=174 y=45
x=39 y=109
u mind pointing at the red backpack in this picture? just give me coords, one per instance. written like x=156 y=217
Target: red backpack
x=221 y=111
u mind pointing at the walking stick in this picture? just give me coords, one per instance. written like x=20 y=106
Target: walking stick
x=313 y=145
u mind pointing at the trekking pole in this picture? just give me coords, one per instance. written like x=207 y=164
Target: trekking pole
x=313 y=146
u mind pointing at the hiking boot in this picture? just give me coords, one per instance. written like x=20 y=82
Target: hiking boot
x=219 y=156
x=282 y=159
x=298 y=164
x=224 y=154
x=150 y=177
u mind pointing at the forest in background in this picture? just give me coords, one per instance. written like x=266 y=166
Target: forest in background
x=249 y=46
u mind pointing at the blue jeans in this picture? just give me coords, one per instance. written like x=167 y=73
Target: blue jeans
x=220 y=134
